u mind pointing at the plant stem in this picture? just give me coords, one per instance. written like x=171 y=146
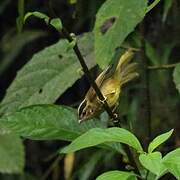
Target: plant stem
x=163 y=67
x=146 y=115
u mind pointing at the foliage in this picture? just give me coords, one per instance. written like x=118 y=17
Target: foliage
x=27 y=109
x=115 y=19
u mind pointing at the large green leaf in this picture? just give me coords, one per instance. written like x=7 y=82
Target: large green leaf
x=176 y=76
x=50 y=122
x=172 y=162
x=114 y=21
x=115 y=175
x=48 y=74
x=98 y=136
x=11 y=154
x=159 y=140
x=153 y=162
x=43 y=122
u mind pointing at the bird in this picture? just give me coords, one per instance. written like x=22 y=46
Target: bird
x=110 y=83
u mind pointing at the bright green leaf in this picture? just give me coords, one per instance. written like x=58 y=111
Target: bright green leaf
x=38 y=15
x=11 y=154
x=159 y=140
x=176 y=77
x=152 y=162
x=48 y=74
x=114 y=21
x=116 y=175
x=172 y=162
x=56 y=23
x=98 y=136
x=43 y=122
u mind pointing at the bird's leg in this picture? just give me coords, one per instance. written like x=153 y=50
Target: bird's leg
x=115 y=120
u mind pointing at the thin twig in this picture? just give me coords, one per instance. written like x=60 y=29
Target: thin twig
x=146 y=90
x=163 y=67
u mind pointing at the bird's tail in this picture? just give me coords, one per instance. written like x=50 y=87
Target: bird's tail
x=126 y=71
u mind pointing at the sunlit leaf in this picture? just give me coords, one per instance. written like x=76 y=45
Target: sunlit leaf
x=159 y=140
x=98 y=136
x=56 y=23
x=153 y=162
x=38 y=15
x=115 y=175
x=172 y=162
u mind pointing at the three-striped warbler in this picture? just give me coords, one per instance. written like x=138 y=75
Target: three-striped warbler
x=110 y=84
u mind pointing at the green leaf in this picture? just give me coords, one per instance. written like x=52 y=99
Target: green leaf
x=172 y=162
x=38 y=15
x=159 y=140
x=114 y=21
x=176 y=77
x=98 y=136
x=11 y=154
x=46 y=122
x=115 y=175
x=48 y=74
x=56 y=23
x=152 y=162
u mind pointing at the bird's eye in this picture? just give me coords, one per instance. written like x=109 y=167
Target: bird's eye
x=81 y=108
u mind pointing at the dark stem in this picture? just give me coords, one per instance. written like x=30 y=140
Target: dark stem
x=146 y=90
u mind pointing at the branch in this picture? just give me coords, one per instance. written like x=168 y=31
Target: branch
x=163 y=67
x=146 y=112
